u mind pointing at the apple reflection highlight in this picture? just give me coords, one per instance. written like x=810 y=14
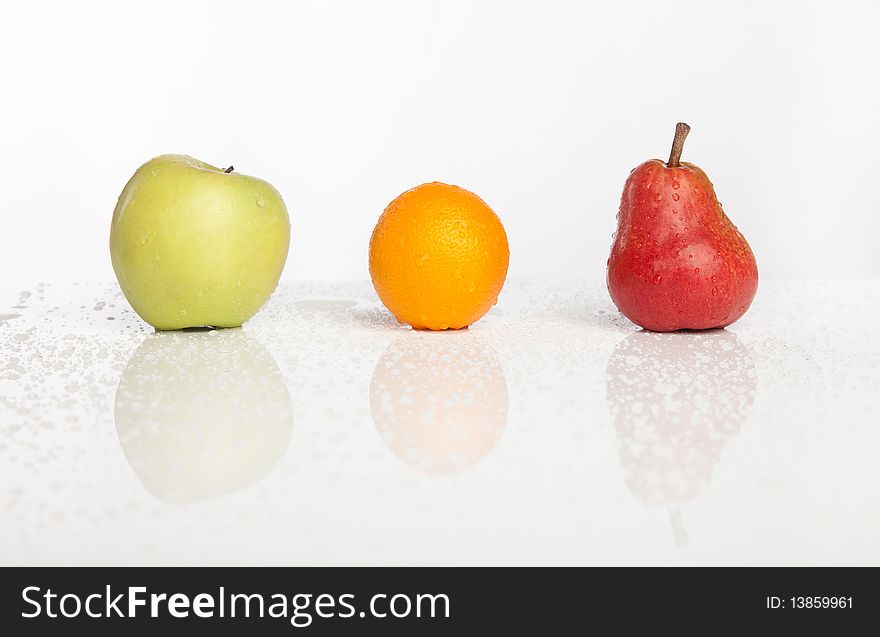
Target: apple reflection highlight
x=200 y=414
x=675 y=400
x=439 y=400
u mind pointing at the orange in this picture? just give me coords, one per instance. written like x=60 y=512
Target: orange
x=438 y=257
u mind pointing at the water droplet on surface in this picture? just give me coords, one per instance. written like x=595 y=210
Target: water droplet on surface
x=145 y=239
x=658 y=278
x=260 y=201
x=154 y=172
x=675 y=196
x=696 y=270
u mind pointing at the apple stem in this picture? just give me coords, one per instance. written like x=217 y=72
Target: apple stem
x=231 y=168
x=681 y=131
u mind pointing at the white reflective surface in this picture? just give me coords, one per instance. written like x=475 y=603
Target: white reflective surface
x=551 y=432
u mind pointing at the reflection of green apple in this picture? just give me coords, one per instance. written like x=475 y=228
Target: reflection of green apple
x=195 y=245
x=202 y=414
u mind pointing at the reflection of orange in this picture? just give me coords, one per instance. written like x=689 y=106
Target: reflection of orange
x=438 y=257
x=439 y=401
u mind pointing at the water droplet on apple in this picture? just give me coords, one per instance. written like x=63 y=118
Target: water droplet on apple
x=238 y=283
x=183 y=312
x=690 y=256
x=145 y=239
x=260 y=201
x=154 y=172
x=675 y=196
x=658 y=278
x=156 y=257
x=696 y=270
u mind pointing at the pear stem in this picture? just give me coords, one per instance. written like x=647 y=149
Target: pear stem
x=231 y=168
x=678 y=530
x=681 y=132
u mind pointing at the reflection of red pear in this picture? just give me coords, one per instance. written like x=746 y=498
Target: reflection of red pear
x=201 y=414
x=675 y=400
x=439 y=400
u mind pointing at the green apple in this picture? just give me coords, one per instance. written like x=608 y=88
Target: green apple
x=195 y=245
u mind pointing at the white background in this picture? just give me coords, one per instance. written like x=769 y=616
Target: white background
x=542 y=108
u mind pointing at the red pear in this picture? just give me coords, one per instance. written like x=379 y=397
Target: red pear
x=677 y=261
